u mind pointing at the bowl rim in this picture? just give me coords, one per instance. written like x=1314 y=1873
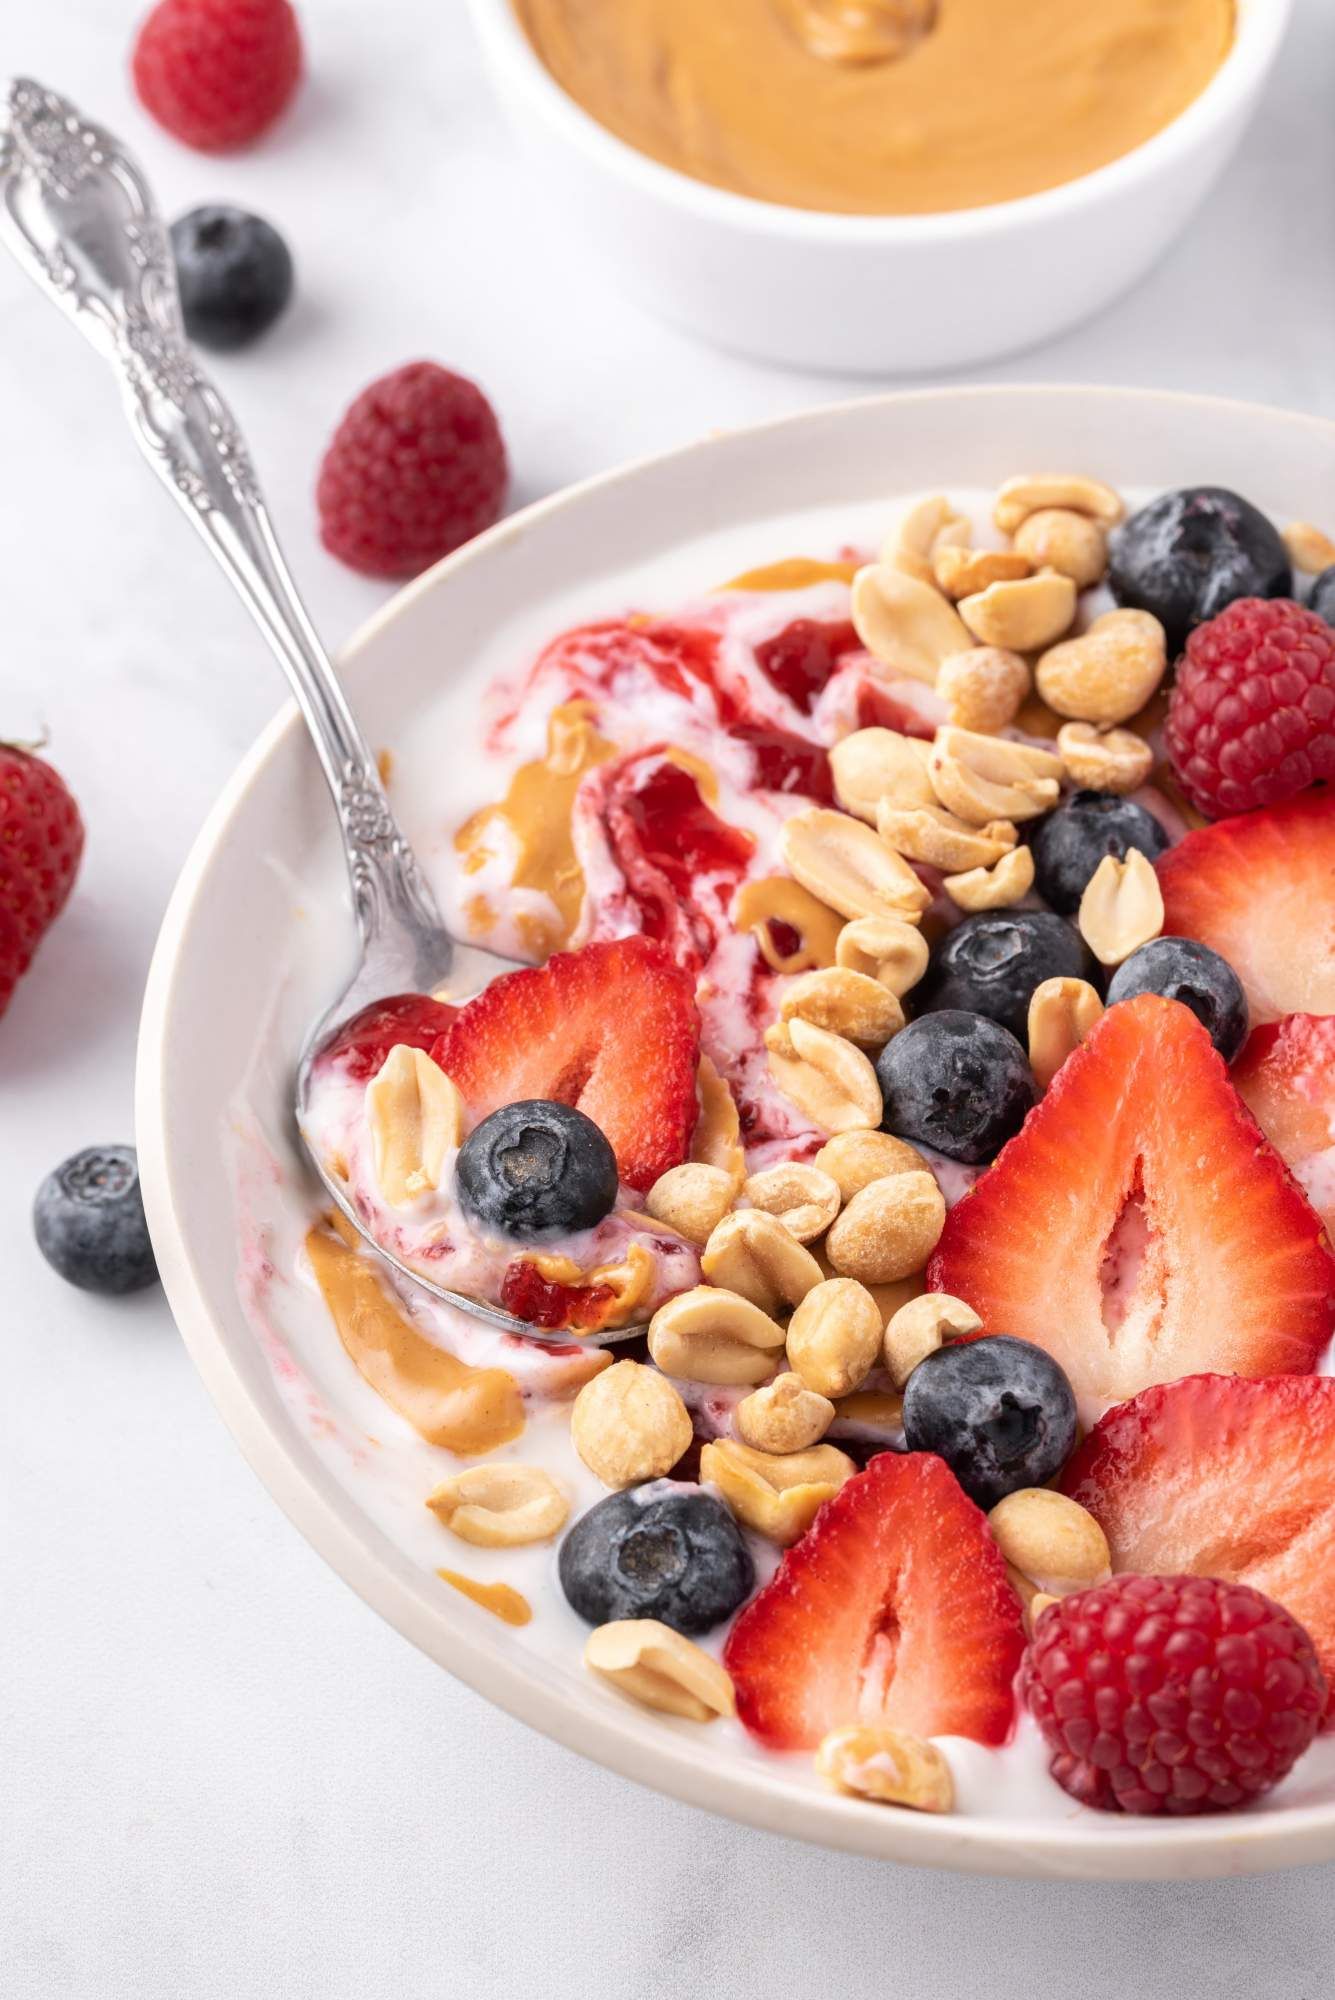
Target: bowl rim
x=1259 y=30
x=332 y=1521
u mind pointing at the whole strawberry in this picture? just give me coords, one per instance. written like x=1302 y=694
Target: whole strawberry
x=217 y=73
x=1172 y=1694
x=416 y=467
x=1251 y=719
x=41 y=840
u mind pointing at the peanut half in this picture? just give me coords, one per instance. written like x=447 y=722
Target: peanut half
x=1022 y=616
x=1104 y=760
x=801 y=1197
x=415 y=1116
x=1108 y=673
x=888 y=1230
x=1310 y=549
x=934 y=836
x=1032 y=492
x=845 y=865
x=716 y=1336
x=981 y=801
x=752 y=1254
x=830 y=1081
x=996 y=888
x=1061 y=1014
x=692 y=1199
x=655 y=1666
x=874 y=764
x=886 y=949
x=1072 y=544
x=629 y=1424
x=847 y=1003
x=1122 y=907
x=783 y=1415
x=983 y=688
x=500 y=1506
x=905 y=624
x=855 y=1159
x=777 y=1495
x=1051 y=1540
x=888 y=1765
x=961 y=572
x=920 y=1327
x=834 y=1337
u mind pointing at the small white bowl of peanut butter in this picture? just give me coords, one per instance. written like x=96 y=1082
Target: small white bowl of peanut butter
x=879 y=185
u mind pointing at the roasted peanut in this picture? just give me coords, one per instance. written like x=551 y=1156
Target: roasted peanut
x=845 y=865
x=1061 y=1014
x=415 y=1116
x=981 y=801
x=1104 y=760
x=710 y=1335
x=717 y=1138
x=1108 y=673
x=851 y=1004
x=961 y=572
x=778 y=1496
x=500 y=1506
x=803 y=1198
x=1021 y=616
x=1051 y=1540
x=1122 y=907
x=997 y=758
x=692 y=1199
x=983 y=688
x=834 y=1337
x=1072 y=544
x=752 y=1254
x=1035 y=492
x=996 y=888
x=1310 y=549
x=932 y=835
x=906 y=624
x=886 y=949
x=920 y=1327
x=783 y=1415
x=888 y=1765
x=855 y=1159
x=888 y=1230
x=629 y=1424
x=659 y=1668
x=874 y=764
x=930 y=524
x=830 y=1081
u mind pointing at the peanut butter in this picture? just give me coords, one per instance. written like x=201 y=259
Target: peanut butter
x=468 y=1410
x=882 y=107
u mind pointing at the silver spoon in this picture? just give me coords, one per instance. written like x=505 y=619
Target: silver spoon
x=78 y=215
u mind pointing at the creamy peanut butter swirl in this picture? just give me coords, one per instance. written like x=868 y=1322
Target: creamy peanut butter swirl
x=882 y=107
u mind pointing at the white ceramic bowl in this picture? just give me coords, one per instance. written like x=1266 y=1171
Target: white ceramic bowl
x=877 y=295
x=259 y=927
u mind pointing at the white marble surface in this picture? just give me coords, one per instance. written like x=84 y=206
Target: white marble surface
x=220 y=1775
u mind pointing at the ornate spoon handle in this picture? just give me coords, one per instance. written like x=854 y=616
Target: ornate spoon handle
x=77 y=213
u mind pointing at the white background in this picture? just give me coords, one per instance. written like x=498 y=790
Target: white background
x=220 y=1775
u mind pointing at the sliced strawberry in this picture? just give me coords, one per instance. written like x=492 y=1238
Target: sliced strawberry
x=414 y=1020
x=1260 y=890
x=612 y=1029
x=1219 y=1477
x=1138 y=1226
x=1286 y=1078
x=894 y=1607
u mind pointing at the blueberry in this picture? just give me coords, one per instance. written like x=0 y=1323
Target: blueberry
x=90 y=1225
x=1322 y=599
x=1070 y=843
x=999 y=1411
x=1181 y=969
x=234 y=274
x=991 y=963
x=665 y=1550
x=537 y=1169
x=958 y=1082
x=1188 y=554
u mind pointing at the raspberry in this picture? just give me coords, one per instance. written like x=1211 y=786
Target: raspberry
x=1251 y=720
x=217 y=73
x=41 y=841
x=1171 y=1694
x=416 y=467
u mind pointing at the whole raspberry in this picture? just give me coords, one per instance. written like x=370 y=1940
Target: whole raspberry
x=1171 y=1694
x=217 y=73
x=41 y=840
x=1251 y=719
x=416 y=467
